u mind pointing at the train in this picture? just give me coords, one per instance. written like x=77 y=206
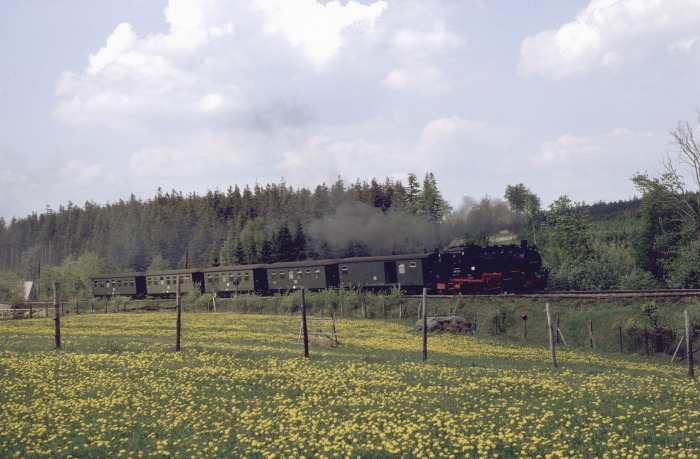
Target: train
x=466 y=270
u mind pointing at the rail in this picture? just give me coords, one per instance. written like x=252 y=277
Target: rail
x=588 y=294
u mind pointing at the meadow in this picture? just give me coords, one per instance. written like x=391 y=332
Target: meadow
x=241 y=387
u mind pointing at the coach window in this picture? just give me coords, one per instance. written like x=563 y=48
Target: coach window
x=246 y=276
x=412 y=266
x=298 y=273
x=187 y=278
x=114 y=284
x=131 y=282
x=343 y=270
x=209 y=281
x=273 y=275
x=162 y=281
x=402 y=268
x=307 y=274
x=216 y=279
x=317 y=273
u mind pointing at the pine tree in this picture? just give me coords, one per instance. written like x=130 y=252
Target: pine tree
x=266 y=252
x=283 y=245
x=412 y=194
x=299 y=243
x=431 y=203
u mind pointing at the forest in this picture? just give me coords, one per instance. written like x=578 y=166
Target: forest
x=652 y=241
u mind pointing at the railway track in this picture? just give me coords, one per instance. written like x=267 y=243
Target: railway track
x=667 y=293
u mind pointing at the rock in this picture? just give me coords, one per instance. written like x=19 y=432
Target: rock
x=450 y=324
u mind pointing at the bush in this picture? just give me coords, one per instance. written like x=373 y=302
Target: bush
x=11 y=288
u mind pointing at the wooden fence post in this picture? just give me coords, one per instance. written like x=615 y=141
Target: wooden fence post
x=178 y=322
x=524 y=317
x=677 y=347
x=552 y=346
x=303 y=324
x=425 y=324
x=689 y=344
x=57 y=314
x=591 y=343
x=621 y=350
x=646 y=340
x=31 y=313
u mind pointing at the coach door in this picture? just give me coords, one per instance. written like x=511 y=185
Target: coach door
x=390 y=276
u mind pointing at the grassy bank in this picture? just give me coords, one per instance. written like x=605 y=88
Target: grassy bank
x=612 y=320
x=240 y=388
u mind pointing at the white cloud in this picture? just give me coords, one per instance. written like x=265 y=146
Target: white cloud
x=455 y=133
x=438 y=40
x=8 y=177
x=317 y=29
x=418 y=52
x=76 y=174
x=607 y=33
x=323 y=158
x=201 y=157
x=619 y=146
x=211 y=102
x=425 y=80
x=131 y=80
x=682 y=46
x=599 y=165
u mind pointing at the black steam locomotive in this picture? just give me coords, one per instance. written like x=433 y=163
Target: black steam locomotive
x=465 y=270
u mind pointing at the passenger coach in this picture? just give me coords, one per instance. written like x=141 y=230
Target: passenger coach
x=126 y=284
x=410 y=272
x=228 y=280
x=164 y=283
x=312 y=275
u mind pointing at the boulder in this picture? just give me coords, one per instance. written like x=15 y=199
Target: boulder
x=450 y=324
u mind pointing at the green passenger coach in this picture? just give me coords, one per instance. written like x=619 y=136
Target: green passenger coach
x=164 y=283
x=122 y=284
x=230 y=280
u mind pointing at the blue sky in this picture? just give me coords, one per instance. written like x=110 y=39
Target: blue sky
x=101 y=100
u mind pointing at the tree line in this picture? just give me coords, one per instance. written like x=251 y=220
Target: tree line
x=651 y=241
x=262 y=224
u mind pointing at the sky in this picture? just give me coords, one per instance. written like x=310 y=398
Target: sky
x=102 y=100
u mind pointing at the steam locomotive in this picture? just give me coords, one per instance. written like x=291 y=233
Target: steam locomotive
x=467 y=270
